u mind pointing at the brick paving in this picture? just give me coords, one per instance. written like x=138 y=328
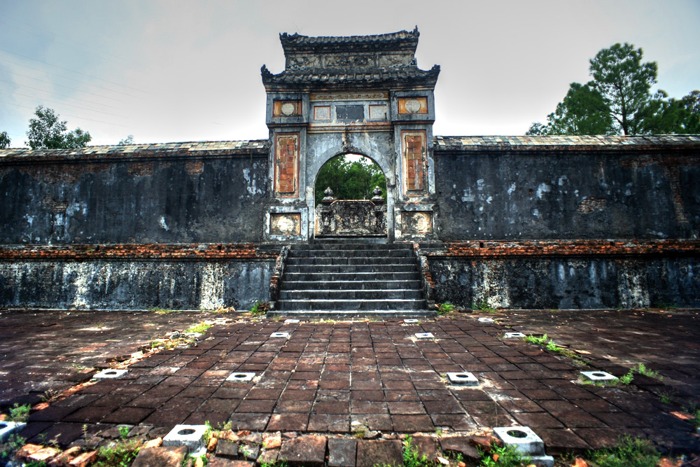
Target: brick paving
x=341 y=380
x=47 y=351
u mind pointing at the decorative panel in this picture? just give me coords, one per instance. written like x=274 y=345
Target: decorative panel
x=414 y=160
x=287 y=224
x=417 y=223
x=322 y=113
x=286 y=108
x=350 y=113
x=413 y=105
x=286 y=164
x=378 y=112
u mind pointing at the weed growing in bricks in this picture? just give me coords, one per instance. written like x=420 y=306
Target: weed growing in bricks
x=629 y=452
x=163 y=311
x=445 y=308
x=19 y=413
x=483 y=306
x=641 y=369
x=503 y=456
x=648 y=372
x=120 y=454
x=10 y=447
x=412 y=457
x=274 y=464
x=259 y=308
x=552 y=346
x=199 y=328
x=123 y=431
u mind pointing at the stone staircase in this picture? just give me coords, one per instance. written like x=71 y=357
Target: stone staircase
x=347 y=280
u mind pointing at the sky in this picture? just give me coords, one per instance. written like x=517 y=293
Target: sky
x=174 y=70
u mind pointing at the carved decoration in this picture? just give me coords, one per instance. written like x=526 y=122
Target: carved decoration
x=414 y=161
x=286 y=164
x=413 y=105
x=286 y=108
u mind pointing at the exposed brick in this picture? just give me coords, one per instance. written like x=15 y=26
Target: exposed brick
x=307 y=450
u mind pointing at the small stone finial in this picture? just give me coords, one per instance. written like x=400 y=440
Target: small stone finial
x=328 y=199
x=377 y=198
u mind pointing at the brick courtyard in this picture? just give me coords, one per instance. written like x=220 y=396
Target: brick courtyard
x=335 y=379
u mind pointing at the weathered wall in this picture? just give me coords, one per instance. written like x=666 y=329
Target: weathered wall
x=551 y=194
x=147 y=198
x=136 y=277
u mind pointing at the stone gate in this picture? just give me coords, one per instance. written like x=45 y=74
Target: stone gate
x=363 y=95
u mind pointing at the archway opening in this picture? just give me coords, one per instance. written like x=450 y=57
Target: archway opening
x=351 y=177
x=350 y=195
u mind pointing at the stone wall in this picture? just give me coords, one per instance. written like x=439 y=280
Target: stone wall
x=136 y=277
x=549 y=194
x=148 y=196
x=562 y=274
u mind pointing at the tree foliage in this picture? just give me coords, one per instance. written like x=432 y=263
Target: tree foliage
x=4 y=140
x=618 y=100
x=349 y=178
x=128 y=140
x=47 y=131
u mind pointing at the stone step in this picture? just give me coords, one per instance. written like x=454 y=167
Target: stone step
x=352 y=305
x=351 y=314
x=351 y=276
x=344 y=245
x=350 y=268
x=349 y=253
x=350 y=285
x=373 y=294
x=351 y=260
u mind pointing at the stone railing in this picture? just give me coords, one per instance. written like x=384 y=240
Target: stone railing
x=351 y=218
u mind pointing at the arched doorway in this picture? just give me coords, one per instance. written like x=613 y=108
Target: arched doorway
x=350 y=193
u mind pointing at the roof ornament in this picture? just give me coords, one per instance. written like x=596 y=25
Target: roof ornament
x=265 y=72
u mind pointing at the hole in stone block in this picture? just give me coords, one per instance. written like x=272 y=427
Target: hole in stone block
x=284 y=335
x=463 y=378
x=522 y=438
x=486 y=320
x=513 y=335
x=7 y=428
x=411 y=321
x=240 y=377
x=598 y=376
x=110 y=374
x=424 y=335
x=191 y=436
x=291 y=321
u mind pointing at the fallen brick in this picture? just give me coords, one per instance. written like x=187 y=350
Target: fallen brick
x=162 y=457
x=308 y=451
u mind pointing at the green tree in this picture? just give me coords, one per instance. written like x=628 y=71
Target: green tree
x=625 y=83
x=582 y=112
x=349 y=179
x=618 y=100
x=47 y=131
x=679 y=116
x=4 y=140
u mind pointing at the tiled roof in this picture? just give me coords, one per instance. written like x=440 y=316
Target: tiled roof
x=395 y=40
x=197 y=148
x=376 y=77
x=523 y=143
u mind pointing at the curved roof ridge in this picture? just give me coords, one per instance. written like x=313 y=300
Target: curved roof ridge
x=385 y=37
